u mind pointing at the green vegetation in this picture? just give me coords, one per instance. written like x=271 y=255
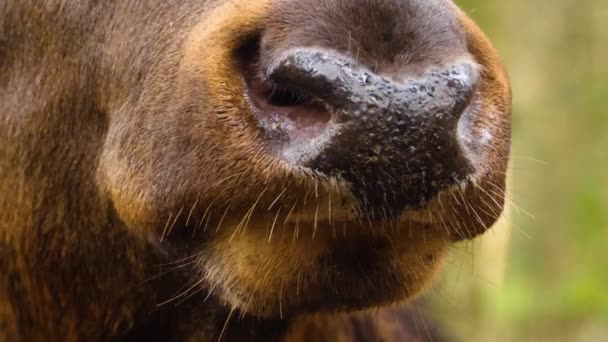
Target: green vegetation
x=554 y=281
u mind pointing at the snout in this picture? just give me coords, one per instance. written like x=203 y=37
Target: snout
x=392 y=139
x=328 y=151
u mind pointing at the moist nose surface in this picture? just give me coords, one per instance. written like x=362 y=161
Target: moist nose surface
x=394 y=142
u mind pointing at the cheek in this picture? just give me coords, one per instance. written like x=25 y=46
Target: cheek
x=158 y=159
x=120 y=174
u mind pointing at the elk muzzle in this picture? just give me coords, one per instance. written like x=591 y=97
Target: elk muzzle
x=394 y=142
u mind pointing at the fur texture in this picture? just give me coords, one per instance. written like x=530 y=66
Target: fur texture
x=139 y=197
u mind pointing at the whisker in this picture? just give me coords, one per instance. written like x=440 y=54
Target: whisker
x=247 y=216
x=281 y=303
x=253 y=207
x=329 y=209
x=509 y=221
x=173 y=224
x=203 y=218
x=289 y=213
x=487 y=193
x=178 y=262
x=517 y=208
x=190 y=213
x=219 y=339
x=423 y=321
x=181 y=293
x=276 y=199
x=217 y=229
x=540 y=161
x=314 y=231
x=162 y=235
x=193 y=293
x=156 y=276
x=273 y=224
x=445 y=226
x=209 y=293
x=296 y=231
x=227 y=178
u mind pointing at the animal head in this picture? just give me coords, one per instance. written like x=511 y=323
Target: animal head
x=318 y=154
x=304 y=155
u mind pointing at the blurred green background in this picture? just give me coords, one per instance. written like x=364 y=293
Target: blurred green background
x=542 y=273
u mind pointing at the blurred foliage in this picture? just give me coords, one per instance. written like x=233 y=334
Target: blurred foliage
x=551 y=283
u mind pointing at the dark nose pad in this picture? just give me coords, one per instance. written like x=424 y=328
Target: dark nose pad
x=395 y=142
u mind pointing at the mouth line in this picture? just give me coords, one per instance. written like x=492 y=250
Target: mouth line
x=354 y=228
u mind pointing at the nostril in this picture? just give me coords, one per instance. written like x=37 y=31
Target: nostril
x=278 y=94
x=288 y=97
x=294 y=121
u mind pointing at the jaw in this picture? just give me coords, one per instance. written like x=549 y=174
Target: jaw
x=250 y=271
x=277 y=261
x=343 y=267
x=325 y=258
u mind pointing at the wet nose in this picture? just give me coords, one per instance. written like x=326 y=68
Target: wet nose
x=394 y=142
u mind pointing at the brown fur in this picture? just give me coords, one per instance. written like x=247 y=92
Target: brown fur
x=137 y=197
